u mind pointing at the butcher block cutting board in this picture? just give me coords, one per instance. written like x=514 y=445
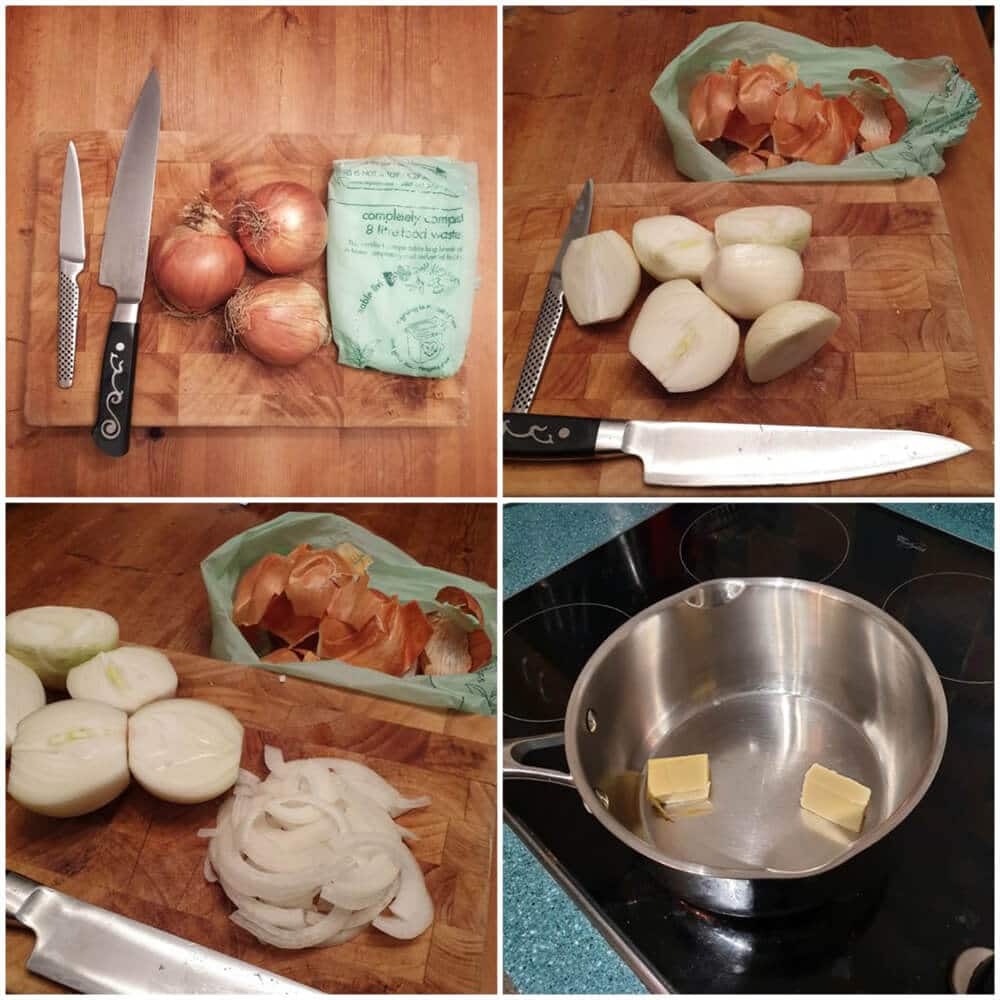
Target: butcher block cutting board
x=881 y=257
x=187 y=375
x=141 y=857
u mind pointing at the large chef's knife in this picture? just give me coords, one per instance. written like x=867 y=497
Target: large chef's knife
x=123 y=267
x=95 y=951
x=547 y=324
x=699 y=454
x=72 y=255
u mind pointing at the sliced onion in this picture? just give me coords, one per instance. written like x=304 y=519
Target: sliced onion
x=311 y=855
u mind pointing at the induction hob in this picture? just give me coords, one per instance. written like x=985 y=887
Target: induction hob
x=936 y=899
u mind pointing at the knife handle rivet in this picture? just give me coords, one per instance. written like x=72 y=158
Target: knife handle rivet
x=119 y=346
x=563 y=433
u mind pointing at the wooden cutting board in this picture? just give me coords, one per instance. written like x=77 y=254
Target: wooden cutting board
x=881 y=257
x=187 y=375
x=141 y=857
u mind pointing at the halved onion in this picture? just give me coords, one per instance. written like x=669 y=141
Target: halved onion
x=69 y=758
x=774 y=225
x=185 y=750
x=25 y=694
x=53 y=639
x=127 y=678
x=746 y=279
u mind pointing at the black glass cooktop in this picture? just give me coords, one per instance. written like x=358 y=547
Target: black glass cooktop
x=936 y=898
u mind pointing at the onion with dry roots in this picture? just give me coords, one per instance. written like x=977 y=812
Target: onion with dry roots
x=281 y=226
x=197 y=265
x=281 y=321
x=311 y=855
x=319 y=604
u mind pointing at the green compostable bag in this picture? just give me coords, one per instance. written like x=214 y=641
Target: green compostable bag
x=401 y=262
x=939 y=103
x=393 y=572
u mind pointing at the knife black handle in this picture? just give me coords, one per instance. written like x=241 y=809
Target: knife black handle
x=114 y=402
x=531 y=435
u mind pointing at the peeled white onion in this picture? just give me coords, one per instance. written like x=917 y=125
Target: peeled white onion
x=600 y=277
x=746 y=279
x=683 y=338
x=52 y=640
x=128 y=678
x=311 y=856
x=25 y=694
x=672 y=246
x=184 y=750
x=775 y=225
x=69 y=758
x=785 y=336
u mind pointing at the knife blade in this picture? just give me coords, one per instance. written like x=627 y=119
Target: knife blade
x=123 y=267
x=553 y=302
x=704 y=454
x=72 y=257
x=93 y=950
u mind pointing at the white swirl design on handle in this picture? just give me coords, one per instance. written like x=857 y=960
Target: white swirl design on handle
x=111 y=427
x=532 y=432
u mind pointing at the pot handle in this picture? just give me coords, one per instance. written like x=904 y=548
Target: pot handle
x=514 y=750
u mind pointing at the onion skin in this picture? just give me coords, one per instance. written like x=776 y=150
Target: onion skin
x=281 y=321
x=197 y=265
x=281 y=227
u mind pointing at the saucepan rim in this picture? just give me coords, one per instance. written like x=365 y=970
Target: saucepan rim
x=733 y=587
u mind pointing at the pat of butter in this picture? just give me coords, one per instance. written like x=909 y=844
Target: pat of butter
x=841 y=800
x=678 y=780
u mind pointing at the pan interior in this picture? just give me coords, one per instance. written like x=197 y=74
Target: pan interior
x=766 y=676
x=760 y=746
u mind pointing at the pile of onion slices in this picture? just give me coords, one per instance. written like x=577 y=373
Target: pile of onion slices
x=311 y=855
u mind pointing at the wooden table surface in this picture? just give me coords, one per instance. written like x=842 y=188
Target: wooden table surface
x=577 y=105
x=277 y=69
x=140 y=562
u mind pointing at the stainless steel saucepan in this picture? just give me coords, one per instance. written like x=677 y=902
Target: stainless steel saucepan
x=767 y=676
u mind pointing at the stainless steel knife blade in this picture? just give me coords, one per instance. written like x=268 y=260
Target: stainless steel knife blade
x=553 y=303
x=72 y=256
x=706 y=454
x=93 y=950
x=130 y=211
x=123 y=268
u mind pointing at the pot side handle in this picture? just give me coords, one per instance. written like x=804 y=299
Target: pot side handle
x=514 y=768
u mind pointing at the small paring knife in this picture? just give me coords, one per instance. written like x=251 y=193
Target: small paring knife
x=702 y=454
x=94 y=951
x=72 y=256
x=553 y=303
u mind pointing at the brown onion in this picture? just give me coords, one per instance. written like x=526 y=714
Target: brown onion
x=282 y=320
x=197 y=265
x=281 y=226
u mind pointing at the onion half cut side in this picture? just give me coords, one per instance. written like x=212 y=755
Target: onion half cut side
x=185 y=750
x=69 y=758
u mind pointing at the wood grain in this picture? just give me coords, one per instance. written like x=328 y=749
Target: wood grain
x=227 y=71
x=140 y=562
x=188 y=375
x=142 y=857
x=909 y=265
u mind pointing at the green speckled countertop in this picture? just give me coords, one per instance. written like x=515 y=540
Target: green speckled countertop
x=549 y=945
